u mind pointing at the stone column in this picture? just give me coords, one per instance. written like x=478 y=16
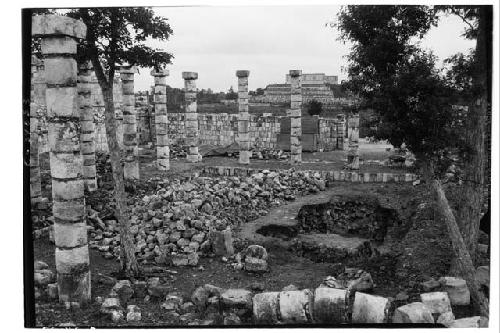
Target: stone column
x=353 y=149
x=88 y=128
x=191 y=116
x=58 y=45
x=131 y=167
x=295 y=117
x=243 y=117
x=117 y=101
x=36 y=106
x=161 y=120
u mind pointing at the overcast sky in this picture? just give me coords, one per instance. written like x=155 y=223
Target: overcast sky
x=268 y=41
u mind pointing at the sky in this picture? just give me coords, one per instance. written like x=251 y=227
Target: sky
x=269 y=41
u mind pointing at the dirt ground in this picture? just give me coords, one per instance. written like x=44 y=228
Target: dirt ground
x=427 y=244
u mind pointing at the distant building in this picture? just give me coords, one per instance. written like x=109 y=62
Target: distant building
x=316 y=78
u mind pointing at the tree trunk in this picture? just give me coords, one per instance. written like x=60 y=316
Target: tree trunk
x=463 y=260
x=469 y=212
x=127 y=248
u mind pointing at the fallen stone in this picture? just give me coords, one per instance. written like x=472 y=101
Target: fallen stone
x=124 y=290
x=446 y=319
x=466 y=322
x=457 y=290
x=232 y=319
x=430 y=285
x=44 y=276
x=330 y=305
x=222 y=242
x=52 y=290
x=133 y=313
x=255 y=265
x=238 y=298
x=290 y=287
x=363 y=283
x=188 y=307
x=109 y=304
x=437 y=302
x=172 y=303
x=294 y=306
x=413 y=313
x=40 y=265
x=265 y=308
x=116 y=315
x=369 y=309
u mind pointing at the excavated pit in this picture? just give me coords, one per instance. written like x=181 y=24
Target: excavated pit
x=342 y=228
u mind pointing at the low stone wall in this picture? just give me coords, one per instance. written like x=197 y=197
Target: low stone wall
x=332 y=176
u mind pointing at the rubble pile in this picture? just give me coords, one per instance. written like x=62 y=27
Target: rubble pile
x=183 y=218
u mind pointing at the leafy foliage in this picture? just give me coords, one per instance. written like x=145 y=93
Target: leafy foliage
x=397 y=79
x=117 y=35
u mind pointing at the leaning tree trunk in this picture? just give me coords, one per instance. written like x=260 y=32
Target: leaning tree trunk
x=463 y=260
x=469 y=212
x=127 y=248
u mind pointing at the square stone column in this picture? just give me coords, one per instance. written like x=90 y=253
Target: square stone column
x=88 y=128
x=295 y=114
x=161 y=120
x=191 y=116
x=353 y=149
x=243 y=117
x=59 y=36
x=37 y=106
x=131 y=166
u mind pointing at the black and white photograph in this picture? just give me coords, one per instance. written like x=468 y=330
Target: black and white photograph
x=322 y=165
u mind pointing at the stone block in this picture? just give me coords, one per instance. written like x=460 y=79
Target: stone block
x=61 y=71
x=438 y=301
x=265 y=308
x=446 y=319
x=70 y=235
x=67 y=260
x=237 y=298
x=369 y=309
x=53 y=45
x=62 y=102
x=43 y=25
x=457 y=290
x=413 y=313
x=330 y=305
x=466 y=322
x=294 y=306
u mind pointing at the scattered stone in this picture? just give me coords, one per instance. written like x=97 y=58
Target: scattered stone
x=457 y=290
x=110 y=305
x=52 y=290
x=124 y=290
x=188 y=307
x=232 y=319
x=159 y=290
x=402 y=296
x=466 y=322
x=330 y=305
x=369 y=309
x=172 y=303
x=255 y=259
x=183 y=259
x=257 y=286
x=363 y=283
x=265 y=308
x=413 y=313
x=290 y=287
x=222 y=242
x=40 y=265
x=437 y=302
x=133 y=313
x=446 y=319
x=116 y=316
x=237 y=298
x=294 y=306
x=430 y=285
x=44 y=276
